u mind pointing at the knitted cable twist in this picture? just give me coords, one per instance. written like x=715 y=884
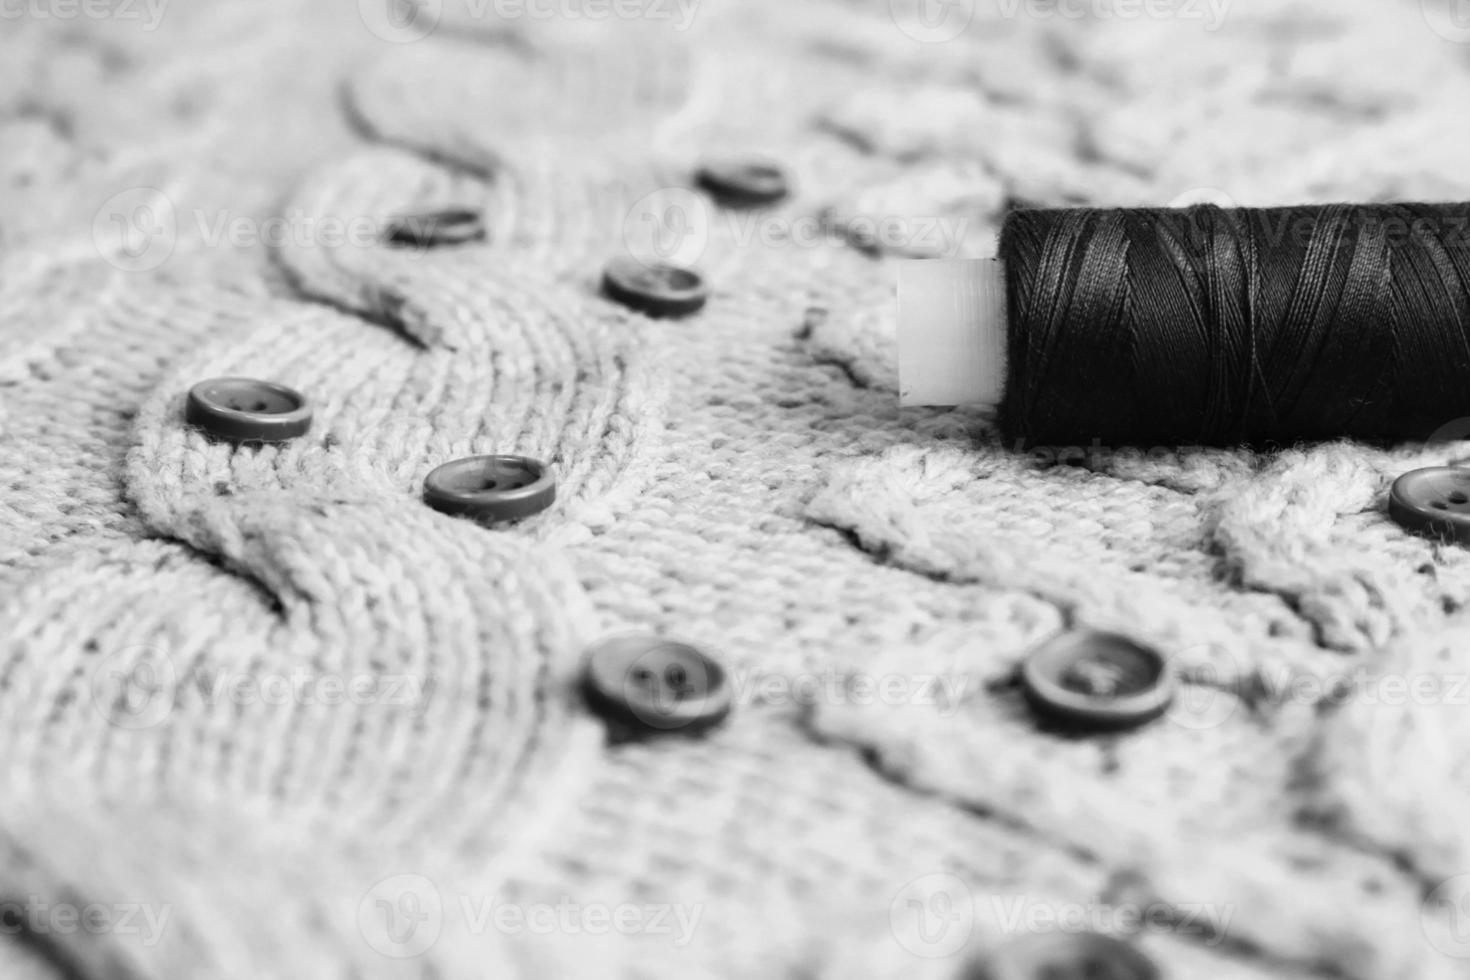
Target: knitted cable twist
x=742 y=479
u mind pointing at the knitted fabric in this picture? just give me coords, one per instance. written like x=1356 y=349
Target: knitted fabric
x=742 y=479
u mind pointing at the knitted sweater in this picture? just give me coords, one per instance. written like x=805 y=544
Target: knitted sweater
x=266 y=714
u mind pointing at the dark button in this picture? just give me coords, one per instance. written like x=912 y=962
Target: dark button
x=1063 y=956
x=449 y=226
x=1093 y=679
x=491 y=488
x=247 y=410
x=654 y=289
x=650 y=684
x=1433 y=501
x=743 y=182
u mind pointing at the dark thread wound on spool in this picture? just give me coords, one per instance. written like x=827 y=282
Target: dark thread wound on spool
x=1227 y=326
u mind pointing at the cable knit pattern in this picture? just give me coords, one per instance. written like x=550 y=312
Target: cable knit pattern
x=741 y=479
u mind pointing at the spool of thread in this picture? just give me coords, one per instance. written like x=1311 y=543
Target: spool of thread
x=1201 y=325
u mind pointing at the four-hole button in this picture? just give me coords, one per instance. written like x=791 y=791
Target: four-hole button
x=1433 y=501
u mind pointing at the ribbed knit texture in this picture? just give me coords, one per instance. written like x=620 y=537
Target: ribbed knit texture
x=743 y=480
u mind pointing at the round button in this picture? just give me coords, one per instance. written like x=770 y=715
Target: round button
x=1094 y=679
x=247 y=410
x=743 y=182
x=447 y=226
x=491 y=488
x=651 y=684
x=654 y=289
x=1433 y=501
x=1064 y=956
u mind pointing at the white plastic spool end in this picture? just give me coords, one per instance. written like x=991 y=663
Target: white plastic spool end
x=951 y=332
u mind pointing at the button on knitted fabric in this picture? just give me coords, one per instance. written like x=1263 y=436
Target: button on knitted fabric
x=657 y=685
x=448 y=226
x=1094 y=679
x=655 y=288
x=491 y=488
x=1434 y=501
x=247 y=410
x=742 y=181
